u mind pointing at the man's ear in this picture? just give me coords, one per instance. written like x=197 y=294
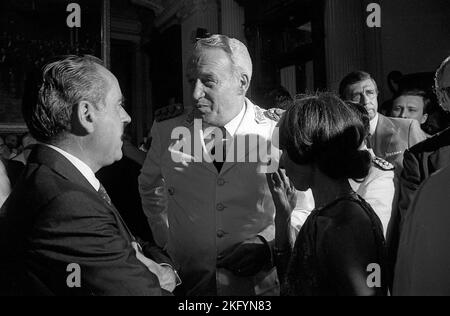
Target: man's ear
x=244 y=83
x=85 y=116
x=424 y=119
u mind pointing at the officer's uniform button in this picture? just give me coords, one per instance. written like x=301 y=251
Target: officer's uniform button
x=220 y=207
x=220 y=234
x=221 y=182
x=171 y=191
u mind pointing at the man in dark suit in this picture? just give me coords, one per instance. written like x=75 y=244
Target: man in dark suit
x=424 y=159
x=63 y=235
x=389 y=137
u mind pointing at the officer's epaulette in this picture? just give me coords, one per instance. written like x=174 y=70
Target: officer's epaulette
x=168 y=112
x=383 y=164
x=274 y=114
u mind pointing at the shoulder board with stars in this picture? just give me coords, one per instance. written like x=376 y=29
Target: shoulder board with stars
x=168 y=112
x=383 y=164
x=274 y=114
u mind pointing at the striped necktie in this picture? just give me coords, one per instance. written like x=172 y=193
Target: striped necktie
x=104 y=195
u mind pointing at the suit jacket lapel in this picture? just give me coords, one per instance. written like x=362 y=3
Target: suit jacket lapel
x=49 y=157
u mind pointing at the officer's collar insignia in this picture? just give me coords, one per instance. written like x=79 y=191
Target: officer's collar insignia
x=274 y=114
x=383 y=164
x=259 y=115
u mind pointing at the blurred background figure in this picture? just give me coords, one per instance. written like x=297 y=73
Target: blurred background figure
x=420 y=105
x=412 y=104
x=389 y=137
x=27 y=145
x=4 y=150
x=5 y=185
x=12 y=142
x=278 y=98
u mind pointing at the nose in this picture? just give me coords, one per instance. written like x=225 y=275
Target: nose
x=403 y=115
x=197 y=90
x=125 y=117
x=364 y=99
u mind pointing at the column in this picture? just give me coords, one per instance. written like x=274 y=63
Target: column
x=232 y=19
x=344 y=41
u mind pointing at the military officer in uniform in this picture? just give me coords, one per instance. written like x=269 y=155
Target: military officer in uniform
x=378 y=189
x=214 y=216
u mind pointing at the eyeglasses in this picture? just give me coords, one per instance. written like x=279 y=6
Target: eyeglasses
x=368 y=93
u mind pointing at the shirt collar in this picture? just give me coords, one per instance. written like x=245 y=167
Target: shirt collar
x=233 y=125
x=373 y=125
x=85 y=170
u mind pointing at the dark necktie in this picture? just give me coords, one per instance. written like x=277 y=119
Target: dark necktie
x=220 y=142
x=104 y=195
x=369 y=141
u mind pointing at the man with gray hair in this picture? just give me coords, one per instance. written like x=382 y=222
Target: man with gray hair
x=63 y=235
x=207 y=203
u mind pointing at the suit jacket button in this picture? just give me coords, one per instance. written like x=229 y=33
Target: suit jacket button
x=171 y=191
x=220 y=207
x=220 y=234
x=221 y=182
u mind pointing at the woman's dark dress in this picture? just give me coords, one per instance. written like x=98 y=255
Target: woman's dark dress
x=334 y=249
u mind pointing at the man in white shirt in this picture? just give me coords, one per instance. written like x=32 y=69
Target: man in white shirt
x=63 y=235
x=214 y=217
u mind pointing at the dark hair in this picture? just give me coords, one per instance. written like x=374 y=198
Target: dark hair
x=426 y=96
x=66 y=81
x=352 y=78
x=278 y=97
x=440 y=72
x=324 y=130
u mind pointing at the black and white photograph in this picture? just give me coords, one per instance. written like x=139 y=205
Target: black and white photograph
x=225 y=153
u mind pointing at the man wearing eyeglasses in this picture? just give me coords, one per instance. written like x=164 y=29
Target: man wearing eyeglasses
x=389 y=137
x=432 y=155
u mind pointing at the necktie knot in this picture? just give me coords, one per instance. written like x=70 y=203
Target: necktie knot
x=219 y=147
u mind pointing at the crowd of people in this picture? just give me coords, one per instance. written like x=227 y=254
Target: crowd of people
x=320 y=195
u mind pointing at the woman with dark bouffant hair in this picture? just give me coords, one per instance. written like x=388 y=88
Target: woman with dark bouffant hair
x=340 y=249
